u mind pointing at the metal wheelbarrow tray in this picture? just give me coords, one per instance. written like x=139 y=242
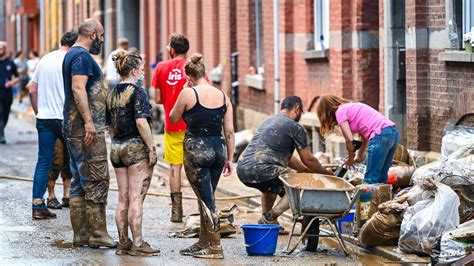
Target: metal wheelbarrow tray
x=324 y=197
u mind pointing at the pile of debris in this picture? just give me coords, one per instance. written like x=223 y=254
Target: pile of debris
x=432 y=217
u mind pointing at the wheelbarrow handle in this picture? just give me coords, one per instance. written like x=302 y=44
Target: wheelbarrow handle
x=355 y=196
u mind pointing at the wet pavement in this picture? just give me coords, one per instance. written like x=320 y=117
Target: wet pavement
x=26 y=241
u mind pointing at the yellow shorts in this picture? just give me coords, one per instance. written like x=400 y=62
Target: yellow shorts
x=174 y=147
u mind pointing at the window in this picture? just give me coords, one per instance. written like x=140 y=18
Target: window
x=467 y=15
x=258 y=37
x=320 y=24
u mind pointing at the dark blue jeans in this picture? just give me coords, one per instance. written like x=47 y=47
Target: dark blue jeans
x=380 y=153
x=48 y=131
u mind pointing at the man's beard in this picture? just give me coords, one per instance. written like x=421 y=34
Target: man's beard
x=3 y=54
x=298 y=118
x=96 y=46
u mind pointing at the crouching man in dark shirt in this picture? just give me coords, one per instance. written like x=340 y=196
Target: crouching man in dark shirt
x=270 y=154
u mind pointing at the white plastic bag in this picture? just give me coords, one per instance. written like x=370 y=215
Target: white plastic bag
x=427 y=219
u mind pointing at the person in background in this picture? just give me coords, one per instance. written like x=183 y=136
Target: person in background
x=169 y=80
x=133 y=153
x=60 y=166
x=207 y=112
x=375 y=129
x=84 y=128
x=270 y=154
x=22 y=68
x=8 y=79
x=111 y=75
x=47 y=98
x=32 y=64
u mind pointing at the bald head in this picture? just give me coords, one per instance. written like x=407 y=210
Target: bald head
x=91 y=35
x=3 y=49
x=90 y=26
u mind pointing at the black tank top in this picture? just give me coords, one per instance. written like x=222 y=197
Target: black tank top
x=202 y=121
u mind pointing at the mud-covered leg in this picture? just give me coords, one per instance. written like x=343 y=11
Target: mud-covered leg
x=139 y=178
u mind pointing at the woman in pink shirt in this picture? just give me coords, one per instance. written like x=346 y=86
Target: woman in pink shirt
x=374 y=128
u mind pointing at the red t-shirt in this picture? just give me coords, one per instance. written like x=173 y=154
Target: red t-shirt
x=170 y=79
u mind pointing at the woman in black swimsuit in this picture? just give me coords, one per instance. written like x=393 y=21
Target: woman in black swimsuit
x=207 y=153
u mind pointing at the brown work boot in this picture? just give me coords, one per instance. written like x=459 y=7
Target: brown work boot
x=97 y=225
x=77 y=212
x=124 y=249
x=144 y=250
x=176 y=207
x=43 y=214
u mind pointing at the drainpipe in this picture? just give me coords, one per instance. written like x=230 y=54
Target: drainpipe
x=276 y=56
x=42 y=27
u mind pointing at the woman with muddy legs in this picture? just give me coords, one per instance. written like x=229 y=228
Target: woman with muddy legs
x=133 y=153
x=206 y=111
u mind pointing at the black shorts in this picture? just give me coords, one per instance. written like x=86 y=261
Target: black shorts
x=273 y=185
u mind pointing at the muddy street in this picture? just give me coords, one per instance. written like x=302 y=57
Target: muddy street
x=26 y=241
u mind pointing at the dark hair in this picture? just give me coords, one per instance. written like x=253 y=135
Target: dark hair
x=18 y=53
x=35 y=53
x=125 y=62
x=179 y=43
x=69 y=38
x=195 y=68
x=291 y=102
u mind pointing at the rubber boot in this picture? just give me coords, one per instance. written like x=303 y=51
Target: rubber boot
x=214 y=250
x=77 y=211
x=176 y=207
x=97 y=224
x=203 y=242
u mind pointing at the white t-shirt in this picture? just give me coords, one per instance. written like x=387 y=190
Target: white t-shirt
x=110 y=70
x=49 y=77
x=32 y=64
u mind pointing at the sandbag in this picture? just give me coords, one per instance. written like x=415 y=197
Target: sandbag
x=428 y=219
x=380 y=229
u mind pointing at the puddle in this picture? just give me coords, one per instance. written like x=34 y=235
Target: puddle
x=18 y=228
x=61 y=244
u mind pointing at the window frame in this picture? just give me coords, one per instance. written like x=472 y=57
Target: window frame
x=259 y=59
x=321 y=24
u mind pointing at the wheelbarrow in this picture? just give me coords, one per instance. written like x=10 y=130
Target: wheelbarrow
x=324 y=197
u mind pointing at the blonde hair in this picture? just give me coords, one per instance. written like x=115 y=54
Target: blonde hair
x=326 y=108
x=195 y=67
x=125 y=62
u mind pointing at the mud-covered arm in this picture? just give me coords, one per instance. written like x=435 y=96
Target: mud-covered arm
x=179 y=107
x=145 y=132
x=311 y=162
x=80 y=98
x=296 y=164
x=229 y=138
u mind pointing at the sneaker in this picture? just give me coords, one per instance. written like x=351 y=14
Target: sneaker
x=209 y=253
x=265 y=220
x=189 y=251
x=54 y=204
x=65 y=202
x=124 y=249
x=43 y=214
x=144 y=250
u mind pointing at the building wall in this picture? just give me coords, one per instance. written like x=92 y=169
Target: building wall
x=433 y=86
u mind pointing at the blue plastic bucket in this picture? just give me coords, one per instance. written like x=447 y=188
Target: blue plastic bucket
x=260 y=239
x=346 y=224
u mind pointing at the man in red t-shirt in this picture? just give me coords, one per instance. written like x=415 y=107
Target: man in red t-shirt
x=168 y=81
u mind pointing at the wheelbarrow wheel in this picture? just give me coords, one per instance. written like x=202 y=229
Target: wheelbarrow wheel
x=311 y=241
